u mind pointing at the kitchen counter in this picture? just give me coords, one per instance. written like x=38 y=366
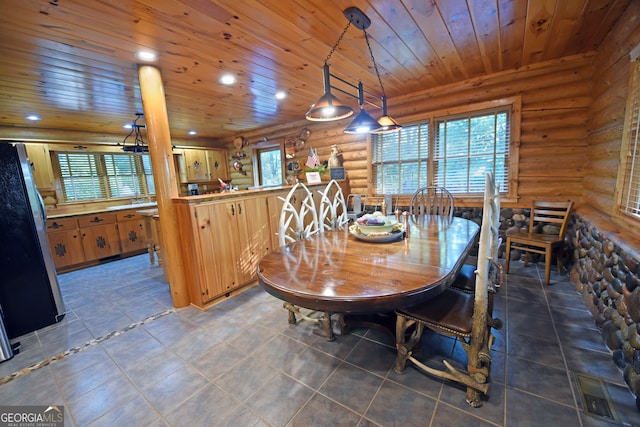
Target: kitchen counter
x=146 y=205
x=202 y=198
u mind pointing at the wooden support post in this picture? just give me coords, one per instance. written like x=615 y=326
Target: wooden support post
x=155 y=114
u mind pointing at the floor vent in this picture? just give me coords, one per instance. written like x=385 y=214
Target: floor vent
x=595 y=398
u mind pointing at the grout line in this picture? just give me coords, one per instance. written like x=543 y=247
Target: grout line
x=79 y=348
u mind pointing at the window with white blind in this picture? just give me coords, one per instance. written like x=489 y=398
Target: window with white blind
x=456 y=153
x=469 y=146
x=629 y=172
x=400 y=160
x=104 y=176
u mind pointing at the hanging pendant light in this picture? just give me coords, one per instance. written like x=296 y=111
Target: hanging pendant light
x=328 y=107
x=138 y=143
x=386 y=124
x=363 y=123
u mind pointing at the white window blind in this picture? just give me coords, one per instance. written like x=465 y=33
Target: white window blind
x=399 y=160
x=80 y=177
x=630 y=200
x=103 y=176
x=469 y=146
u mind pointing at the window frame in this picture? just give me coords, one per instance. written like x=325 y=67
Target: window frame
x=257 y=166
x=103 y=178
x=508 y=195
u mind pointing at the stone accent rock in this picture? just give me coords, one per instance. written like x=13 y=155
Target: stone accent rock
x=607 y=278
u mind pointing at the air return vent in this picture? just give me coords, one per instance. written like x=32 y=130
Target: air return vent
x=595 y=398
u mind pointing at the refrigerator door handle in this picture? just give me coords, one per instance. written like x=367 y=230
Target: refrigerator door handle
x=42 y=207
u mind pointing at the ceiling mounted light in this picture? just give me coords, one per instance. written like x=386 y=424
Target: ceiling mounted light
x=138 y=145
x=329 y=108
x=147 y=56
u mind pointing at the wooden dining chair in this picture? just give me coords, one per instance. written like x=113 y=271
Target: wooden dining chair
x=299 y=220
x=547 y=226
x=432 y=201
x=462 y=315
x=333 y=208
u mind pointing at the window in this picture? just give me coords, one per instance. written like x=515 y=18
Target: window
x=453 y=151
x=270 y=166
x=104 y=176
x=400 y=160
x=629 y=173
x=469 y=146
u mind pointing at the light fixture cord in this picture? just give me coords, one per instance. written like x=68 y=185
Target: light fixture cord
x=375 y=66
x=335 y=46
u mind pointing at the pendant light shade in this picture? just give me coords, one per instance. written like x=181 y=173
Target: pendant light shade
x=328 y=107
x=363 y=123
x=386 y=123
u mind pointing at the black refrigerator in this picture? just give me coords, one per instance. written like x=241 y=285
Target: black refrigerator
x=30 y=296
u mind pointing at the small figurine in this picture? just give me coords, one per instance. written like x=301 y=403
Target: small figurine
x=335 y=158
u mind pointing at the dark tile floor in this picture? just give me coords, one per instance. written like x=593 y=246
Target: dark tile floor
x=241 y=364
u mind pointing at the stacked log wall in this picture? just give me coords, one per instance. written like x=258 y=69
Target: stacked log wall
x=555 y=101
x=607 y=112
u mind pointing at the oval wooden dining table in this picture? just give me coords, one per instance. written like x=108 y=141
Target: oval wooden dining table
x=335 y=272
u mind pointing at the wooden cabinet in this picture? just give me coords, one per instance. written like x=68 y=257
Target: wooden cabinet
x=131 y=229
x=85 y=239
x=41 y=166
x=218 y=164
x=223 y=241
x=196 y=163
x=65 y=242
x=99 y=233
x=205 y=165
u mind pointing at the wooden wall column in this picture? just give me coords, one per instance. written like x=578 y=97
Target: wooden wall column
x=155 y=114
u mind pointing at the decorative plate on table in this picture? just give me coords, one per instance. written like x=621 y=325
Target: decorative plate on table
x=382 y=237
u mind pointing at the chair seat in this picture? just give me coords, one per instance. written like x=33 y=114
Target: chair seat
x=535 y=239
x=466 y=278
x=450 y=312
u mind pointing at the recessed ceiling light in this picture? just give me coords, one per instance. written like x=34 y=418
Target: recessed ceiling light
x=192 y=132
x=228 y=79
x=145 y=55
x=33 y=117
x=281 y=95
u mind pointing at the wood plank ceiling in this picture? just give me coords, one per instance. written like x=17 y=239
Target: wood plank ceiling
x=73 y=63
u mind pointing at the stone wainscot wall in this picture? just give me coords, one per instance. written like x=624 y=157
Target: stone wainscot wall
x=607 y=276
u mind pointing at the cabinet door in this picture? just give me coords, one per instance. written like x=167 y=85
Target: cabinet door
x=275 y=208
x=131 y=228
x=254 y=237
x=66 y=248
x=132 y=235
x=41 y=166
x=196 y=165
x=100 y=241
x=218 y=164
x=215 y=249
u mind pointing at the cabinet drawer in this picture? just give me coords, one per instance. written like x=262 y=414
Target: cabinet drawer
x=97 y=219
x=128 y=215
x=61 y=224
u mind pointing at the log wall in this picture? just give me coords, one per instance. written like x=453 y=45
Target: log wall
x=607 y=111
x=555 y=95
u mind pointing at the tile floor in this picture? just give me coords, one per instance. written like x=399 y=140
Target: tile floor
x=241 y=364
